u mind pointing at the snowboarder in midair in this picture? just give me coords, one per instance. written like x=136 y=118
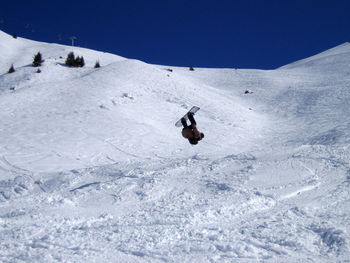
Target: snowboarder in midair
x=191 y=132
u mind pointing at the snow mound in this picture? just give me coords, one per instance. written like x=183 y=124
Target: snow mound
x=333 y=61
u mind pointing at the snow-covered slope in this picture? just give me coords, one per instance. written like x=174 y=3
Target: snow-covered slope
x=92 y=168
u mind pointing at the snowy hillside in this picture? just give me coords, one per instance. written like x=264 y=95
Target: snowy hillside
x=92 y=168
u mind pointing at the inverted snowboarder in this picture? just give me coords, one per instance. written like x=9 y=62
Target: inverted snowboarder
x=191 y=132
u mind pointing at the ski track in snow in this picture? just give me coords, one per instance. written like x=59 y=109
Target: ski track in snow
x=92 y=168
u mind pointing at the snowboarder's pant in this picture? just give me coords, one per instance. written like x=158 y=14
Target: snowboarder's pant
x=190 y=117
x=192 y=120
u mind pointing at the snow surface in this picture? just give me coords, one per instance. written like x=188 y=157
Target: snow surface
x=92 y=168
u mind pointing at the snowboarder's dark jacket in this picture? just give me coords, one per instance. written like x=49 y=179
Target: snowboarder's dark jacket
x=191 y=132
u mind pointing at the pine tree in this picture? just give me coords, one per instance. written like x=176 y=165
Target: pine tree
x=77 y=62
x=12 y=69
x=37 y=60
x=97 y=64
x=82 y=62
x=70 y=61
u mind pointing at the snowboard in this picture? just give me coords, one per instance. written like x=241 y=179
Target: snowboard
x=194 y=109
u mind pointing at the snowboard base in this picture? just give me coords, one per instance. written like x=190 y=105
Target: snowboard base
x=194 y=109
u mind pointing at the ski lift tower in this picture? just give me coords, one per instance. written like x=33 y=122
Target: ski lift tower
x=73 y=38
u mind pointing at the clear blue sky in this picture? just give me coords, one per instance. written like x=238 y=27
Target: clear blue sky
x=262 y=34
